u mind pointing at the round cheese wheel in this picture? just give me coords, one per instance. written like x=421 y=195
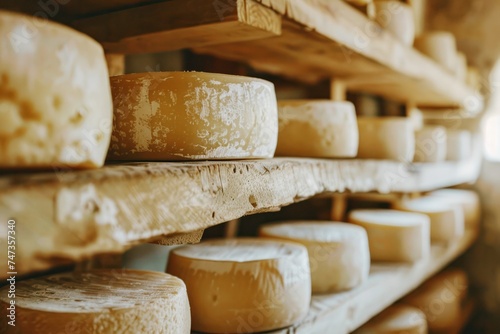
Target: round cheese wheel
x=459 y=145
x=55 y=100
x=192 y=115
x=390 y=138
x=394 y=235
x=397 y=17
x=396 y=319
x=441 y=46
x=440 y=298
x=322 y=129
x=447 y=220
x=431 y=144
x=100 y=302
x=244 y=285
x=467 y=199
x=338 y=252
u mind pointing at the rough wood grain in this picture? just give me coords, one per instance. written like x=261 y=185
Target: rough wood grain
x=72 y=215
x=172 y=25
x=387 y=283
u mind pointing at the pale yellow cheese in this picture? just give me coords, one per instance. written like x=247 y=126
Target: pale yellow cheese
x=447 y=220
x=440 y=46
x=338 y=252
x=461 y=68
x=100 y=302
x=396 y=319
x=244 y=285
x=467 y=199
x=55 y=100
x=441 y=299
x=397 y=17
x=390 y=138
x=394 y=235
x=192 y=115
x=322 y=128
x=431 y=144
x=459 y=145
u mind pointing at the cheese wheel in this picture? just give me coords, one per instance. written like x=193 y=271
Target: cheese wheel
x=116 y=63
x=441 y=46
x=459 y=145
x=397 y=18
x=396 y=319
x=467 y=199
x=55 y=100
x=390 y=138
x=100 y=302
x=431 y=144
x=394 y=235
x=461 y=68
x=192 y=115
x=440 y=298
x=447 y=220
x=416 y=118
x=473 y=78
x=338 y=253
x=244 y=285
x=322 y=129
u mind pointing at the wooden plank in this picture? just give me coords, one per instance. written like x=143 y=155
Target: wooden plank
x=72 y=215
x=172 y=25
x=387 y=283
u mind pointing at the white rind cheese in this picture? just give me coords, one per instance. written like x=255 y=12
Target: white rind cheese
x=441 y=46
x=338 y=252
x=431 y=144
x=391 y=138
x=321 y=129
x=396 y=319
x=447 y=220
x=101 y=302
x=55 y=99
x=397 y=17
x=192 y=115
x=394 y=235
x=467 y=199
x=459 y=145
x=244 y=285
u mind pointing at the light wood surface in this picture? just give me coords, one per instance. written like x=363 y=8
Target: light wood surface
x=70 y=216
x=344 y=312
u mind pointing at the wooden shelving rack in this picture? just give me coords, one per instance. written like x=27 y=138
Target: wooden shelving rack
x=70 y=215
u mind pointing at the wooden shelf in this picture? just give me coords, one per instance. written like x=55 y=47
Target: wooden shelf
x=305 y=40
x=71 y=215
x=387 y=283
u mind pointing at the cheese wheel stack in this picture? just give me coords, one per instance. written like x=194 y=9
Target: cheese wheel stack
x=390 y=138
x=467 y=199
x=55 y=100
x=100 y=302
x=244 y=285
x=441 y=299
x=394 y=235
x=322 y=129
x=338 y=252
x=192 y=115
x=396 y=319
x=447 y=220
x=431 y=144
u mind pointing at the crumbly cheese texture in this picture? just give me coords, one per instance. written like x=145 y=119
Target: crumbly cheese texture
x=441 y=298
x=396 y=319
x=467 y=199
x=244 y=285
x=101 y=302
x=321 y=129
x=431 y=144
x=55 y=99
x=192 y=115
x=391 y=138
x=395 y=236
x=447 y=219
x=339 y=256
x=459 y=145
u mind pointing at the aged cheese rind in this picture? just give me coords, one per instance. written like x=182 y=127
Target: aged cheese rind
x=394 y=235
x=338 y=252
x=467 y=199
x=441 y=46
x=244 y=285
x=192 y=115
x=396 y=319
x=55 y=99
x=390 y=138
x=101 y=302
x=447 y=219
x=317 y=128
x=397 y=17
x=431 y=144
